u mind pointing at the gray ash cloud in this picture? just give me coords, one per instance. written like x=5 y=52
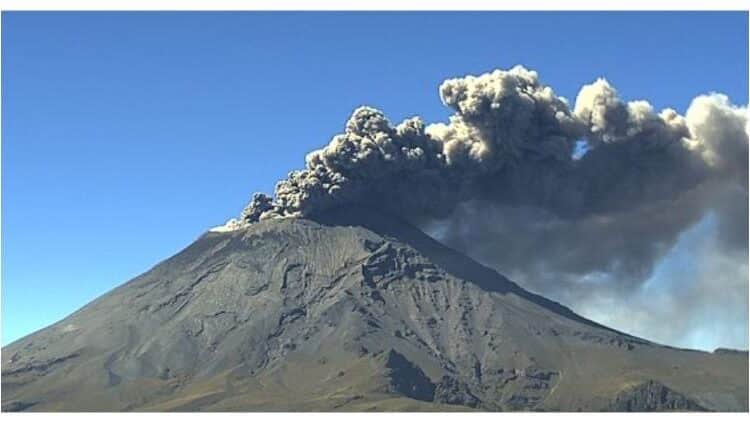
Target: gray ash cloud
x=511 y=142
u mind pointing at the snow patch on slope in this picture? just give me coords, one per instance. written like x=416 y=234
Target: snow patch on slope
x=230 y=226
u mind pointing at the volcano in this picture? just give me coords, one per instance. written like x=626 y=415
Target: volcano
x=355 y=310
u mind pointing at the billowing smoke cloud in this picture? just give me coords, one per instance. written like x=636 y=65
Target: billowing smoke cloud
x=503 y=120
x=501 y=182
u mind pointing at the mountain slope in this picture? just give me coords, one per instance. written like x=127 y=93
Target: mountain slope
x=354 y=311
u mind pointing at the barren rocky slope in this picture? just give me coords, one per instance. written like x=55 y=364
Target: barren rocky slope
x=347 y=314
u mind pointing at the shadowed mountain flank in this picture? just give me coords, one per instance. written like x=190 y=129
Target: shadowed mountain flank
x=453 y=262
x=351 y=311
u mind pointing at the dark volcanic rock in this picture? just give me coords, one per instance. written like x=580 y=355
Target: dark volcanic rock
x=408 y=379
x=16 y=406
x=452 y=391
x=653 y=396
x=352 y=311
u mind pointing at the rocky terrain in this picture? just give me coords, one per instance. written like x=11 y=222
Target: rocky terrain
x=354 y=311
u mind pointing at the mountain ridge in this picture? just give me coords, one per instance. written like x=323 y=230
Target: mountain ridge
x=352 y=310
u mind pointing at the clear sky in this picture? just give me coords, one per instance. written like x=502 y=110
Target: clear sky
x=126 y=135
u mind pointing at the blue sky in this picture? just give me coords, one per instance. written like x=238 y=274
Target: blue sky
x=126 y=135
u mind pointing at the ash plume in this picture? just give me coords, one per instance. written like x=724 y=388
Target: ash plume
x=511 y=141
x=503 y=120
x=500 y=180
